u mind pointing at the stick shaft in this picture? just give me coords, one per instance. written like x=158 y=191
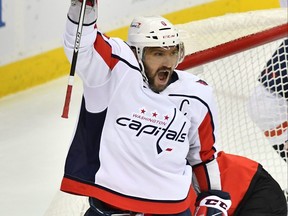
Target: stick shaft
x=74 y=61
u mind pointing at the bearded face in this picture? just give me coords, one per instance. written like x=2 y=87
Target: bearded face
x=159 y=64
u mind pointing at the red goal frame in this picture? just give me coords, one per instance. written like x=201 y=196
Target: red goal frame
x=233 y=46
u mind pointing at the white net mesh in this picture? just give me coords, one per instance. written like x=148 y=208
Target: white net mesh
x=207 y=33
x=235 y=81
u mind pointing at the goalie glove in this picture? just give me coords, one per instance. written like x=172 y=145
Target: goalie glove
x=212 y=203
x=91 y=11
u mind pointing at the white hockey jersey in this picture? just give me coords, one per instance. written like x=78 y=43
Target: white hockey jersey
x=131 y=145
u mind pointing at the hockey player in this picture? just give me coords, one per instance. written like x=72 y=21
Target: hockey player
x=268 y=105
x=142 y=124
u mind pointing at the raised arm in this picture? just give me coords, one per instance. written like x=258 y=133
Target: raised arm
x=95 y=59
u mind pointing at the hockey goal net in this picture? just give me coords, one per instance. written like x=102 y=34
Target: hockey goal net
x=229 y=52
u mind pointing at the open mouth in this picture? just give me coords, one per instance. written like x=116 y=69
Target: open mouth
x=163 y=75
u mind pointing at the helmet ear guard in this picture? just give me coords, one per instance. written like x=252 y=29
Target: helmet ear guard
x=181 y=52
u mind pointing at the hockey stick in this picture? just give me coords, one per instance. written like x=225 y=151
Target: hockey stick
x=74 y=61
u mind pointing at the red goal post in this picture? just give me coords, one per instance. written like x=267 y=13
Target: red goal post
x=234 y=46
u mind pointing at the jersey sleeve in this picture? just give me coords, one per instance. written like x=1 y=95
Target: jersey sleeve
x=203 y=140
x=95 y=59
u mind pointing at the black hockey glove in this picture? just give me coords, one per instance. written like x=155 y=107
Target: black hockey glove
x=212 y=202
x=91 y=12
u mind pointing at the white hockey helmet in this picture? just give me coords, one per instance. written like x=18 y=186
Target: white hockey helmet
x=153 y=31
